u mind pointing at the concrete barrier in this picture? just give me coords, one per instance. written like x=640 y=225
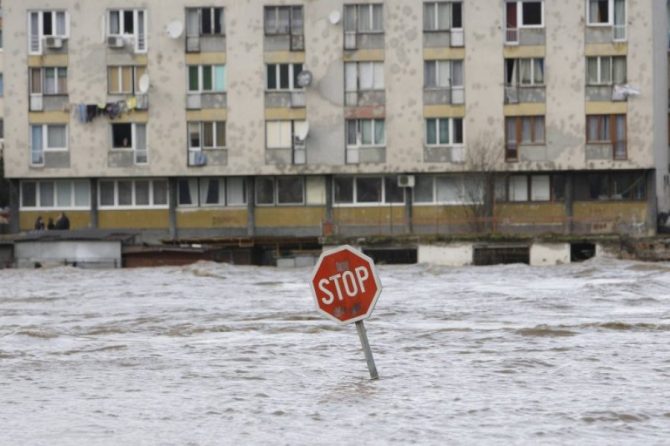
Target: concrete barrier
x=546 y=254
x=453 y=254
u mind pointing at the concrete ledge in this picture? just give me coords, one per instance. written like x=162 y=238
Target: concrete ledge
x=548 y=254
x=453 y=254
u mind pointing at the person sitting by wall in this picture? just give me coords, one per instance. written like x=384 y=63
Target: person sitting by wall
x=39 y=223
x=62 y=222
x=50 y=224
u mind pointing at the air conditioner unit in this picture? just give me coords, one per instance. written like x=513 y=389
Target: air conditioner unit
x=116 y=42
x=405 y=180
x=297 y=42
x=36 y=102
x=350 y=40
x=53 y=42
x=196 y=158
x=297 y=99
x=193 y=101
x=142 y=101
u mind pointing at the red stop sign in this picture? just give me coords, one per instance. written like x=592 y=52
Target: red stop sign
x=345 y=285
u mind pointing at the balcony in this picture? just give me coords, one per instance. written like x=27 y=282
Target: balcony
x=524 y=36
x=515 y=94
x=285 y=99
x=453 y=38
x=206 y=100
x=448 y=95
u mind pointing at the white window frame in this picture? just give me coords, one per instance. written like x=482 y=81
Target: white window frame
x=435 y=27
x=462 y=189
x=519 y=14
x=201 y=132
x=371 y=6
x=135 y=35
x=439 y=65
x=116 y=205
x=291 y=76
x=55 y=207
x=275 y=193
x=134 y=88
x=451 y=142
x=42 y=71
x=275 y=9
x=199 y=181
x=40 y=27
x=45 y=135
x=599 y=81
x=133 y=140
x=610 y=15
x=517 y=82
x=201 y=69
x=356 y=203
x=359 y=133
x=376 y=67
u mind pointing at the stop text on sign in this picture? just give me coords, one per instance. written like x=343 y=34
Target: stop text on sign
x=349 y=282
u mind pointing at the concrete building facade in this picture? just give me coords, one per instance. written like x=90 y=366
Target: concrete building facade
x=188 y=119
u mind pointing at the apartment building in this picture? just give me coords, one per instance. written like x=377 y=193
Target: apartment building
x=188 y=119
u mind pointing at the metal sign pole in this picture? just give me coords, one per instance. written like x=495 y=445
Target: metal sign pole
x=360 y=327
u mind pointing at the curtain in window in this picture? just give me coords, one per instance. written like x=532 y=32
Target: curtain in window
x=366 y=75
x=619 y=70
x=187 y=192
x=36 y=80
x=379 y=132
x=126 y=80
x=46 y=194
x=511 y=66
x=364 y=18
x=448 y=189
x=539 y=186
x=208 y=134
x=60 y=23
x=219 y=78
x=592 y=70
x=142 y=193
x=444 y=131
x=63 y=194
x=539 y=129
x=34 y=32
x=429 y=73
x=211 y=191
x=518 y=188
x=525 y=71
x=457 y=73
x=526 y=135
x=443 y=73
x=443 y=16
x=82 y=193
x=49 y=81
x=620 y=143
x=429 y=17
x=114 y=25
x=350 y=18
x=235 y=191
x=296 y=20
x=350 y=76
x=56 y=137
x=538 y=69
x=366 y=131
x=283 y=20
x=431 y=131
x=193 y=23
x=37 y=145
x=352 y=132
x=606 y=70
x=377 y=17
x=62 y=80
x=220 y=134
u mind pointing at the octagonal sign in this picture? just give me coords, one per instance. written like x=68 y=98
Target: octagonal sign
x=345 y=285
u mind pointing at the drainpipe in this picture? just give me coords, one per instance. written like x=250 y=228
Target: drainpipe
x=569 y=201
x=93 y=215
x=172 y=208
x=251 y=206
x=14 y=226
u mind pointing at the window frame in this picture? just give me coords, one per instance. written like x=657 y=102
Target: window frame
x=436 y=5
x=451 y=123
x=133 y=206
x=276 y=9
x=354 y=188
x=292 y=75
x=436 y=67
x=275 y=191
x=517 y=81
x=201 y=133
x=135 y=35
x=359 y=132
x=135 y=79
x=40 y=27
x=38 y=204
x=357 y=7
x=201 y=70
x=610 y=15
x=45 y=136
x=612 y=122
x=599 y=71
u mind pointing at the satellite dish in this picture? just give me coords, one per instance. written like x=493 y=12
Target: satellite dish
x=334 y=17
x=175 y=29
x=305 y=78
x=145 y=83
x=303 y=131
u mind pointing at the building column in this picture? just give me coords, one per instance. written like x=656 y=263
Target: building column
x=172 y=208
x=652 y=203
x=569 y=201
x=251 y=206
x=14 y=226
x=409 y=203
x=94 y=223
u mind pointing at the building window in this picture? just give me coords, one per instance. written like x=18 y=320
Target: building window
x=127 y=193
x=211 y=192
x=283 y=76
x=366 y=132
x=444 y=131
x=606 y=70
x=2 y=85
x=443 y=73
x=368 y=18
x=606 y=12
x=367 y=190
x=131 y=136
x=59 y=194
x=130 y=24
x=523 y=13
x=284 y=190
x=47 y=137
x=608 y=129
x=206 y=78
x=614 y=185
x=48 y=81
x=280 y=20
x=442 y=16
x=43 y=24
x=535 y=188
x=524 y=72
x=448 y=189
x=124 y=79
x=362 y=76
x=522 y=130
x=205 y=22
x=206 y=135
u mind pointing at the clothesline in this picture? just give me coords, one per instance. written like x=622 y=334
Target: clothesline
x=88 y=112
